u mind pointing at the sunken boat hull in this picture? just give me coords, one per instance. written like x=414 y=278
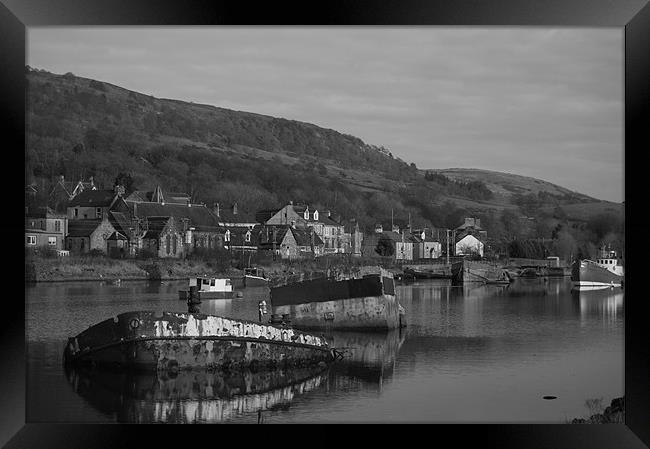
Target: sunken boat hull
x=467 y=271
x=368 y=303
x=177 y=341
x=255 y=281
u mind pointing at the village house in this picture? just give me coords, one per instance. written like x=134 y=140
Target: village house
x=94 y=204
x=199 y=227
x=44 y=227
x=403 y=243
x=290 y=242
x=162 y=238
x=469 y=238
x=64 y=191
x=428 y=246
x=329 y=230
x=89 y=234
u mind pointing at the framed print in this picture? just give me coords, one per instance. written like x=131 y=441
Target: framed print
x=356 y=213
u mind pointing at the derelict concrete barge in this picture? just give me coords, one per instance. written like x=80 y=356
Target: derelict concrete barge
x=365 y=303
x=176 y=341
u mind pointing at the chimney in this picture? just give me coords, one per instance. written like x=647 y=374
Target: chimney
x=291 y=202
x=478 y=222
x=396 y=228
x=234 y=208
x=119 y=190
x=379 y=228
x=62 y=179
x=328 y=212
x=215 y=209
x=469 y=221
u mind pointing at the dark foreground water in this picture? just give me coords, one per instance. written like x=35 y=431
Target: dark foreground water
x=481 y=354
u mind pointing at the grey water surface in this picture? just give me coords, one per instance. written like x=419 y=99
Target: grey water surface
x=470 y=354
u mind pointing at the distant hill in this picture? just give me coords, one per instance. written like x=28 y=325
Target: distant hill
x=79 y=127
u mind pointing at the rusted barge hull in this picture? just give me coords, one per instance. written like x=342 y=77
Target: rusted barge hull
x=367 y=303
x=172 y=341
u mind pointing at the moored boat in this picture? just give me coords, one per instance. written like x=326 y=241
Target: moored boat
x=468 y=271
x=605 y=271
x=358 y=303
x=170 y=340
x=208 y=288
x=255 y=277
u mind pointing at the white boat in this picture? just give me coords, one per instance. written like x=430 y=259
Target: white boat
x=605 y=271
x=209 y=288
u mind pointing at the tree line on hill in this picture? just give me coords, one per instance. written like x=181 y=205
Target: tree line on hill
x=81 y=128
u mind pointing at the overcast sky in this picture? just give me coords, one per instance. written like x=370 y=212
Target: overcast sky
x=540 y=102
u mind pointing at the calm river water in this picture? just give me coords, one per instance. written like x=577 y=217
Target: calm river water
x=479 y=354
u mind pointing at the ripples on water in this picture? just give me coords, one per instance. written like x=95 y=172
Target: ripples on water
x=469 y=354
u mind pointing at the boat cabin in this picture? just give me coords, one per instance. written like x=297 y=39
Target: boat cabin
x=254 y=271
x=206 y=284
x=610 y=261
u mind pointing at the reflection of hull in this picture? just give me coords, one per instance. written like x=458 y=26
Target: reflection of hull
x=366 y=303
x=585 y=274
x=191 y=396
x=182 y=340
x=205 y=295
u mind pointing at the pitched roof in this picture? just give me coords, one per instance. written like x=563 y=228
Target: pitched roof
x=158 y=195
x=119 y=221
x=304 y=237
x=93 y=198
x=82 y=228
x=42 y=212
x=198 y=216
x=117 y=236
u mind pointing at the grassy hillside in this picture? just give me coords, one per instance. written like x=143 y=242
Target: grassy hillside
x=78 y=127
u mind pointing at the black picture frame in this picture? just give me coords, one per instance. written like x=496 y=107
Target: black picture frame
x=631 y=15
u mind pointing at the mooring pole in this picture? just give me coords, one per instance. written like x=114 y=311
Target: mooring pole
x=193 y=300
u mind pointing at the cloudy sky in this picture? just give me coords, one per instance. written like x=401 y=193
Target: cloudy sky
x=541 y=102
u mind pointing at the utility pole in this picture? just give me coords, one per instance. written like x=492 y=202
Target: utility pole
x=447 y=238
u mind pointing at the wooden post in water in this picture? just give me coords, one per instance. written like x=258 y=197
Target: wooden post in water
x=193 y=300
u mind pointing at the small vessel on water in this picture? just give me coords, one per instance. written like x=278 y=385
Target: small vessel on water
x=362 y=303
x=605 y=271
x=175 y=341
x=255 y=277
x=208 y=288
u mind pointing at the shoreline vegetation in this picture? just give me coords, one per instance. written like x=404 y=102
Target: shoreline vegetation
x=614 y=413
x=39 y=268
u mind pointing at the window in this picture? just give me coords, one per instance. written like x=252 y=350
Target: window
x=31 y=240
x=82 y=243
x=227 y=237
x=174 y=243
x=51 y=241
x=168 y=244
x=98 y=212
x=316 y=215
x=57 y=226
x=248 y=236
x=76 y=212
x=306 y=214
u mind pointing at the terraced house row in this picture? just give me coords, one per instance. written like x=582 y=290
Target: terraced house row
x=168 y=224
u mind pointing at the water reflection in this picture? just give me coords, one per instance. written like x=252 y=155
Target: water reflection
x=191 y=396
x=465 y=349
x=605 y=304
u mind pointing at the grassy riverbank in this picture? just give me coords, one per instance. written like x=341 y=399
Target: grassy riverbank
x=89 y=268
x=102 y=268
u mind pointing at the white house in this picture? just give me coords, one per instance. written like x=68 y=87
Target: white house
x=469 y=245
